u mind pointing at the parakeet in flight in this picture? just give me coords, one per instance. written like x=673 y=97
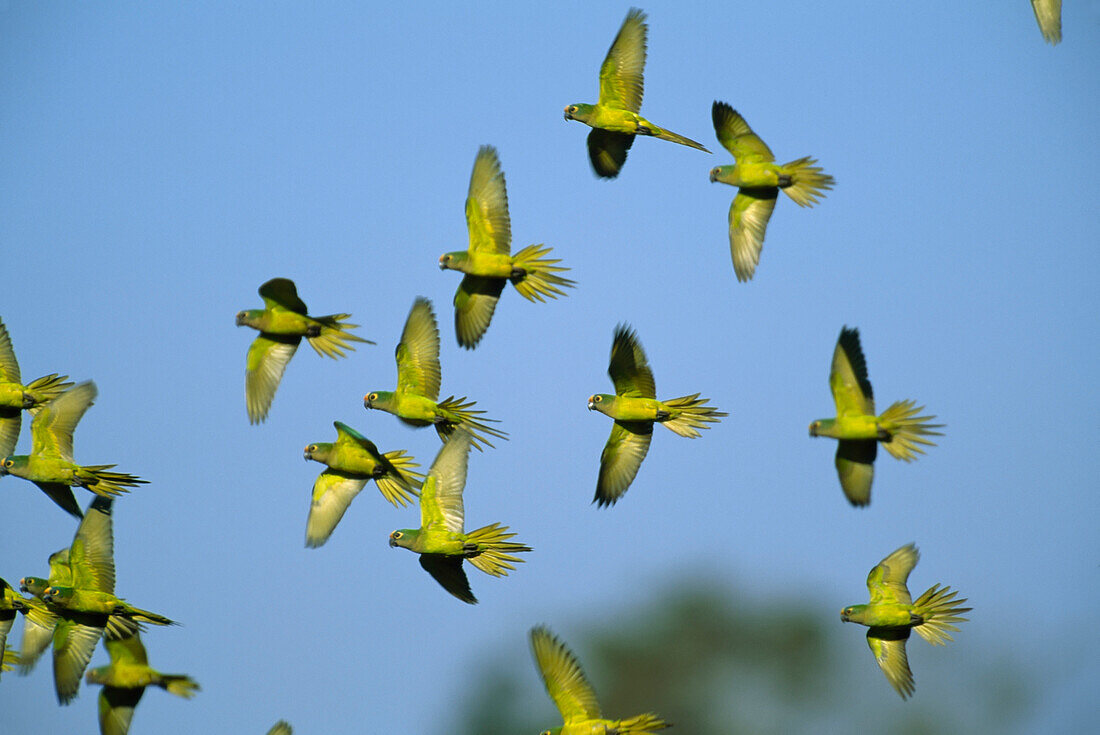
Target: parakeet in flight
x=759 y=179
x=50 y=464
x=488 y=262
x=1048 y=14
x=891 y=614
x=10 y=603
x=282 y=727
x=574 y=696
x=15 y=397
x=440 y=540
x=416 y=399
x=859 y=430
x=635 y=408
x=351 y=461
x=614 y=119
x=282 y=323
x=124 y=681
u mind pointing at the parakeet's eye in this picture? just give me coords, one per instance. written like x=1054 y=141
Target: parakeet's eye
x=572 y=108
x=597 y=399
x=311 y=448
x=372 y=397
x=8 y=463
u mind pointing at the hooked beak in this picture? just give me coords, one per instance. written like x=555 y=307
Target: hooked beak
x=23 y=587
x=591 y=405
x=713 y=175
x=567 y=115
x=442 y=264
x=844 y=617
x=240 y=320
x=393 y=543
x=366 y=403
x=307 y=455
x=813 y=429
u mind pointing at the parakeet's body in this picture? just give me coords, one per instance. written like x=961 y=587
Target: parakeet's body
x=892 y=614
x=124 y=681
x=635 y=409
x=900 y=430
x=488 y=261
x=352 y=461
x=615 y=119
x=282 y=323
x=575 y=698
x=759 y=179
x=16 y=397
x=441 y=541
x=50 y=464
x=1048 y=14
x=11 y=602
x=415 y=401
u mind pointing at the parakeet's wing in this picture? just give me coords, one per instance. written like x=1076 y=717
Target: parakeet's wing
x=127 y=650
x=441 y=494
x=9 y=366
x=736 y=136
x=487 y=205
x=52 y=429
x=475 y=301
x=1048 y=13
x=61 y=494
x=855 y=465
x=629 y=369
x=848 y=377
x=38 y=627
x=332 y=494
x=264 y=367
x=74 y=641
x=621 y=458
x=92 y=555
x=886 y=582
x=607 y=151
x=282 y=727
x=888 y=646
x=748 y=219
x=621 y=83
x=282 y=293
x=116 y=709
x=565 y=681
x=10 y=418
x=448 y=571
x=418 y=352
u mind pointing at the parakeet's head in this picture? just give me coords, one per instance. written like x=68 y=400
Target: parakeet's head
x=33 y=585
x=249 y=317
x=57 y=594
x=319 y=452
x=601 y=402
x=853 y=613
x=381 y=399
x=455 y=261
x=723 y=174
x=13 y=465
x=580 y=112
x=405 y=537
x=822 y=427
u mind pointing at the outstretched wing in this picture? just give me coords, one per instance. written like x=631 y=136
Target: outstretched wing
x=448 y=571
x=417 y=353
x=621 y=458
x=333 y=492
x=629 y=369
x=737 y=137
x=888 y=646
x=886 y=582
x=565 y=681
x=621 y=84
x=855 y=465
x=475 y=301
x=92 y=555
x=264 y=367
x=607 y=151
x=487 y=205
x=52 y=429
x=282 y=293
x=748 y=220
x=848 y=377
x=441 y=494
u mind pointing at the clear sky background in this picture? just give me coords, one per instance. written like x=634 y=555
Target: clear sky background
x=159 y=161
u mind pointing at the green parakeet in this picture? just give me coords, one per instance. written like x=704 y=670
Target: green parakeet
x=891 y=614
x=1048 y=14
x=759 y=179
x=574 y=696
x=415 y=401
x=859 y=430
x=635 y=408
x=15 y=397
x=614 y=119
x=282 y=323
x=488 y=262
x=440 y=540
x=10 y=603
x=352 y=460
x=282 y=727
x=50 y=464
x=124 y=681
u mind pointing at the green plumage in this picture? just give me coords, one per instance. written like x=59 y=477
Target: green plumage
x=16 y=397
x=614 y=119
x=892 y=614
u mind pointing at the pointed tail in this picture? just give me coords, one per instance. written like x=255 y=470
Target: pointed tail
x=808 y=182
x=539 y=279
x=940 y=609
x=47 y=388
x=642 y=724
x=676 y=138
x=334 y=336
x=460 y=413
x=691 y=414
x=181 y=686
x=907 y=430
x=400 y=489
x=107 y=484
x=142 y=616
x=496 y=555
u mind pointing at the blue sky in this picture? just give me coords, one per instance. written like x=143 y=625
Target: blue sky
x=161 y=161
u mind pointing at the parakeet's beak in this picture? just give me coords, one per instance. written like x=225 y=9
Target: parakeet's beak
x=442 y=263
x=591 y=404
x=366 y=402
x=813 y=429
x=392 y=542
x=713 y=175
x=240 y=319
x=23 y=587
x=307 y=455
x=567 y=115
x=844 y=616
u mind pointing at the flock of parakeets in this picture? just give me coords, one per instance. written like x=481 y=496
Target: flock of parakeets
x=75 y=606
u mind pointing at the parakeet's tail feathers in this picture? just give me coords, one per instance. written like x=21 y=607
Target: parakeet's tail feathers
x=334 y=336
x=642 y=724
x=400 y=489
x=808 y=182
x=120 y=627
x=540 y=279
x=47 y=388
x=107 y=484
x=907 y=430
x=496 y=556
x=676 y=138
x=940 y=609
x=466 y=418
x=693 y=414
x=181 y=686
x=144 y=616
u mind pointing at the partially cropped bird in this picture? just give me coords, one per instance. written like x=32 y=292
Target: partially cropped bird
x=16 y=397
x=1048 y=14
